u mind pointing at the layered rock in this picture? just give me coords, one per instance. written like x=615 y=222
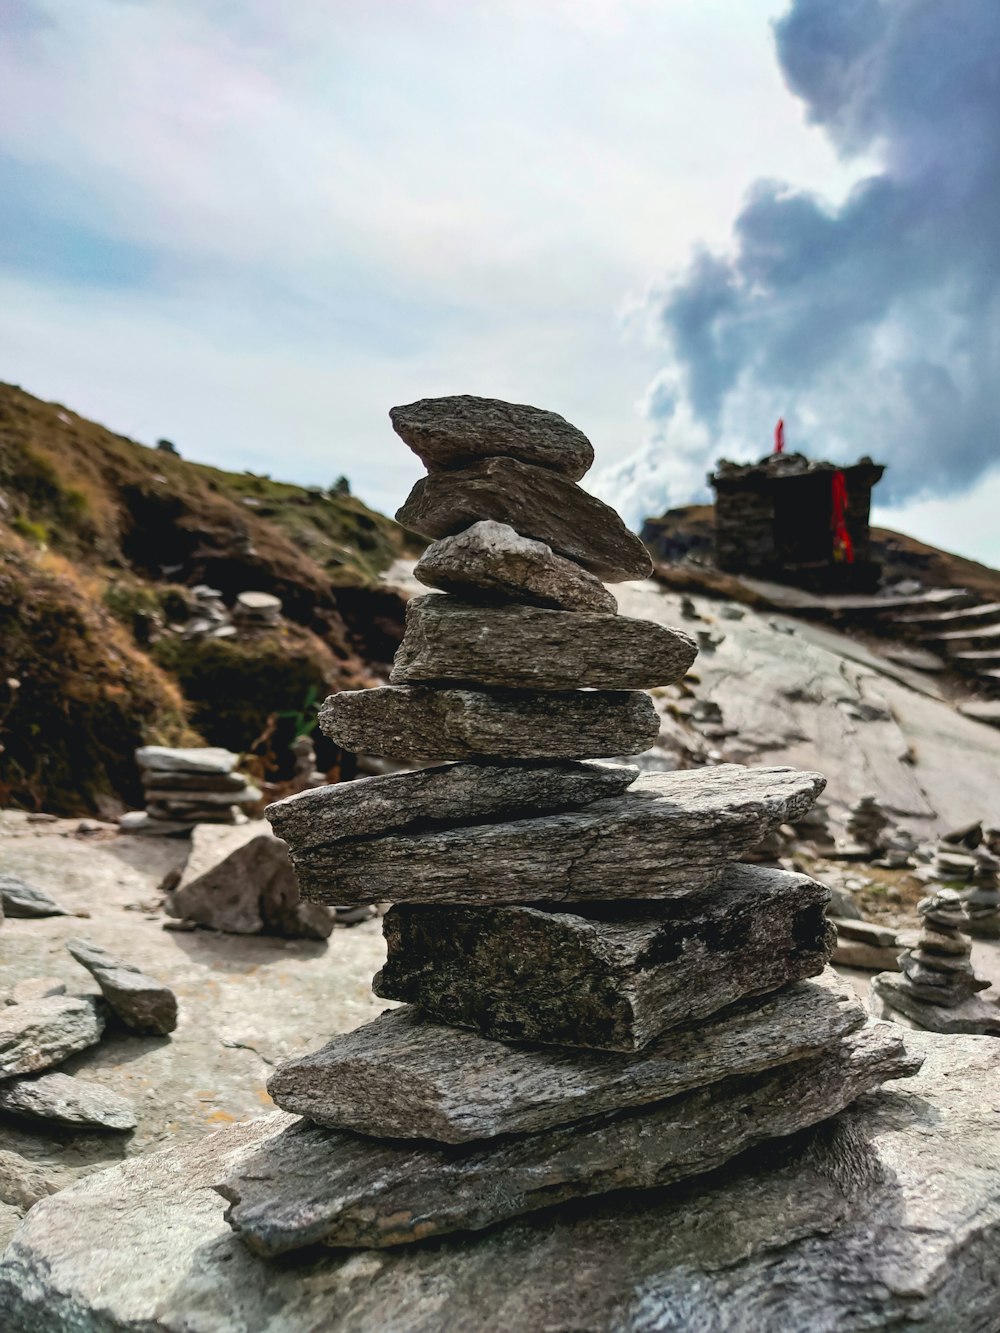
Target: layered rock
x=42 y=1033
x=982 y=898
x=187 y=787
x=140 y=1002
x=69 y=1101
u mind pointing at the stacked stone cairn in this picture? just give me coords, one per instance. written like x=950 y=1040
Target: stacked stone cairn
x=982 y=897
x=596 y=995
x=257 y=610
x=954 y=857
x=938 y=988
x=187 y=787
x=866 y=824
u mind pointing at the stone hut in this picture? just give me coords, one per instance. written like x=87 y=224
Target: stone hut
x=796 y=520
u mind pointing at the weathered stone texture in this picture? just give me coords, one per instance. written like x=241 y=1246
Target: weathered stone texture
x=67 y=1101
x=140 y=1002
x=43 y=1033
x=415 y=722
x=450 y=794
x=451 y=432
x=971 y=1015
x=18 y=898
x=606 y=976
x=197 y=759
x=669 y=835
x=533 y=648
x=535 y=502
x=491 y=562
x=404 y=1076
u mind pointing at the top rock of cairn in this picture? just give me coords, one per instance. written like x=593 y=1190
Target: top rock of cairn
x=657 y=992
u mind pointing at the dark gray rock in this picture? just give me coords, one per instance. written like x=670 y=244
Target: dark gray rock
x=972 y=1015
x=535 y=502
x=242 y=882
x=168 y=779
x=606 y=976
x=404 y=1076
x=142 y=1004
x=834 y=1229
x=669 y=835
x=67 y=1101
x=21 y=899
x=314 y=1186
x=533 y=648
x=43 y=1033
x=446 y=795
x=491 y=562
x=451 y=432
x=415 y=722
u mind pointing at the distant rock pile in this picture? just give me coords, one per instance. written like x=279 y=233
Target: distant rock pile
x=187 y=787
x=656 y=991
x=982 y=897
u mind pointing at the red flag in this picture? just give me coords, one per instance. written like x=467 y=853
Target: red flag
x=843 y=548
x=779 y=436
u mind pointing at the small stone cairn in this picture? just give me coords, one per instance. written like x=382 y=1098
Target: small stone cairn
x=257 y=610
x=596 y=995
x=954 y=859
x=938 y=988
x=866 y=823
x=982 y=897
x=187 y=787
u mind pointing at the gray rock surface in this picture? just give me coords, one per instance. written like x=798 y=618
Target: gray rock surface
x=140 y=1002
x=195 y=759
x=448 y=794
x=669 y=835
x=972 y=1015
x=835 y=1229
x=314 y=1186
x=609 y=976
x=451 y=432
x=35 y=988
x=22 y=1183
x=535 y=502
x=66 y=1100
x=43 y=1033
x=491 y=562
x=21 y=899
x=533 y=648
x=241 y=881
x=415 y=722
x=404 y=1076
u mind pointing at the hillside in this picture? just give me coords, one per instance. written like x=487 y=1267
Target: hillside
x=101 y=542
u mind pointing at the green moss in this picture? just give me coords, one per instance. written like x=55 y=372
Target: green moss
x=33 y=532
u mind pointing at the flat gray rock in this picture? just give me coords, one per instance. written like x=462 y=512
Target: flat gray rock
x=241 y=881
x=18 y=898
x=491 y=562
x=836 y=1228
x=533 y=648
x=140 y=1002
x=314 y=1186
x=972 y=1015
x=42 y=1033
x=67 y=1101
x=404 y=1076
x=608 y=976
x=669 y=835
x=173 y=801
x=443 y=796
x=416 y=722
x=451 y=432
x=194 y=759
x=22 y=1183
x=535 y=502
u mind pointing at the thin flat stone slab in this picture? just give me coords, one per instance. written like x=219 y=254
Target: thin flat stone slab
x=535 y=502
x=142 y=1003
x=451 y=432
x=973 y=1015
x=491 y=562
x=607 y=976
x=669 y=835
x=67 y=1101
x=329 y=1187
x=888 y=1215
x=42 y=1033
x=404 y=1076
x=18 y=898
x=173 y=800
x=416 y=722
x=447 y=795
x=533 y=648
x=193 y=759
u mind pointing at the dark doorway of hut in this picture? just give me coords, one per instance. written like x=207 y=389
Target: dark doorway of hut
x=803 y=512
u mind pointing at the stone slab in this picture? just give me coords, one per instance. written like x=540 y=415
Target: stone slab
x=66 y=1100
x=451 y=432
x=446 y=795
x=669 y=835
x=42 y=1033
x=404 y=1076
x=490 y=562
x=178 y=801
x=535 y=502
x=834 y=1229
x=142 y=1003
x=194 y=759
x=607 y=976
x=533 y=648
x=414 y=722
x=18 y=898
x=973 y=1015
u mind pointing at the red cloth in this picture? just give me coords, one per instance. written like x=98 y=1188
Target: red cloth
x=843 y=547
x=779 y=436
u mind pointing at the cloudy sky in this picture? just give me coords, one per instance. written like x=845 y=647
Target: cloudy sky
x=253 y=227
